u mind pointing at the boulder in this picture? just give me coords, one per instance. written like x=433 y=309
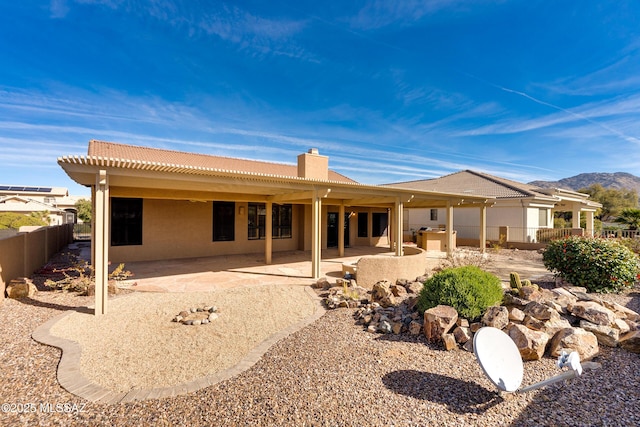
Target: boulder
x=593 y=312
x=21 y=288
x=398 y=291
x=414 y=287
x=621 y=325
x=531 y=293
x=574 y=339
x=606 y=335
x=415 y=327
x=438 y=321
x=538 y=310
x=621 y=311
x=631 y=341
x=462 y=334
x=515 y=314
x=496 y=316
x=555 y=323
x=449 y=342
x=381 y=293
x=510 y=299
x=322 y=283
x=530 y=343
x=533 y=323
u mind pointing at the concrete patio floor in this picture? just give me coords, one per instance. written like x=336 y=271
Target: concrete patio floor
x=228 y=271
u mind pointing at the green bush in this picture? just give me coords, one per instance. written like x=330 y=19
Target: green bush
x=16 y=220
x=468 y=289
x=600 y=265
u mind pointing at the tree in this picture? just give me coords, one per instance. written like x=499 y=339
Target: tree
x=630 y=217
x=16 y=220
x=613 y=201
x=83 y=206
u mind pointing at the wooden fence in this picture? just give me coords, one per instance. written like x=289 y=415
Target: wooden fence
x=24 y=253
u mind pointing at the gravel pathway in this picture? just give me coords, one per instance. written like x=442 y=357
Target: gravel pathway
x=330 y=373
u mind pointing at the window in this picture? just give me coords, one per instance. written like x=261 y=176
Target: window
x=224 y=221
x=126 y=221
x=379 y=224
x=363 y=224
x=281 y=216
x=434 y=214
x=542 y=217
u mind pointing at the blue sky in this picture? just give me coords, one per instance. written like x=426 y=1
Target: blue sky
x=390 y=90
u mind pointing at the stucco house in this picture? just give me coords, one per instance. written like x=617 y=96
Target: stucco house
x=154 y=204
x=522 y=213
x=27 y=199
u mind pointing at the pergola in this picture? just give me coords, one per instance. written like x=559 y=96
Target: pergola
x=115 y=177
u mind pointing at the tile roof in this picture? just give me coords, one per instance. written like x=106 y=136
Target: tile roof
x=146 y=154
x=478 y=184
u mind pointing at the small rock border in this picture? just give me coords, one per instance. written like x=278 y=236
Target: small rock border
x=197 y=315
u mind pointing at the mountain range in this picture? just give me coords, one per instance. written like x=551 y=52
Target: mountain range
x=617 y=180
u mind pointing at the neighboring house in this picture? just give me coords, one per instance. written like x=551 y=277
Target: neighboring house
x=53 y=200
x=153 y=204
x=521 y=213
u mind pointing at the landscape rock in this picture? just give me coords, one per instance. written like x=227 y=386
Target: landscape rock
x=414 y=287
x=530 y=343
x=531 y=293
x=555 y=323
x=515 y=314
x=382 y=294
x=621 y=311
x=606 y=335
x=496 y=316
x=415 y=327
x=449 y=342
x=538 y=310
x=574 y=339
x=462 y=334
x=631 y=341
x=438 y=321
x=622 y=326
x=21 y=288
x=593 y=312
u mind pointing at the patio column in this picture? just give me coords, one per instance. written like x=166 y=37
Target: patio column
x=315 y=234
x=575 y=217
x=589 y=225
x=341 y=230
x=268 y=232
x=449 y=227
x=483 y=228
x=100 y=256
x=398 y=226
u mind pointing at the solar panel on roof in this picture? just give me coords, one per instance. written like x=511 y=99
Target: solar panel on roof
x=32 y=189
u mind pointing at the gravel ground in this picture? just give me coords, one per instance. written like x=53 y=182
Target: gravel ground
x=160 y=353
x=329 y=373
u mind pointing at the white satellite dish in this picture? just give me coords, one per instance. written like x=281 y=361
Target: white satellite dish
x=500 y=360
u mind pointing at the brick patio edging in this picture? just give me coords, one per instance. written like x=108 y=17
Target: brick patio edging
x=71 y=379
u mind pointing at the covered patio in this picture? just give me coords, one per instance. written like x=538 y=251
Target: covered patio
x=180 y=188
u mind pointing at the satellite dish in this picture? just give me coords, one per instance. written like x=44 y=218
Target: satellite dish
x=499 y=358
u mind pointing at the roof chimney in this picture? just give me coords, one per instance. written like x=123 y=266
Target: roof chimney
x=312 y=165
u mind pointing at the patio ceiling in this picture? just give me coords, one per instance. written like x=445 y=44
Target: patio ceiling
x=135 y=178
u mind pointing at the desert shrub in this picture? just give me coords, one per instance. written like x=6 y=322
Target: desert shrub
x=468 y=289
x=600 y=265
